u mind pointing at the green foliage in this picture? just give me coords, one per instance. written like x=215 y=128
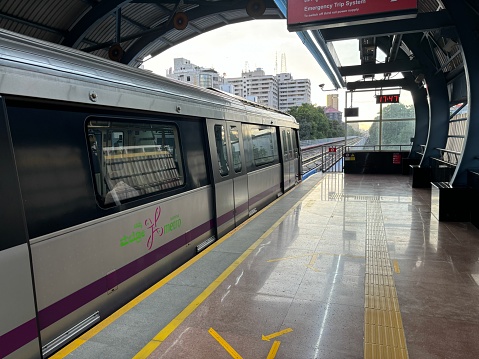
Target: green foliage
x=353 y=132
x=313 y=123
x=393 y=132
x=397 y=111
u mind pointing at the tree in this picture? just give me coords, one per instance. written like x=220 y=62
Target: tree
x=393 y=132
x=353 y=132
x=313 y=123
x=336 y=129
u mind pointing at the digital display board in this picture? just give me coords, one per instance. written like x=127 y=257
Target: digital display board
x=387 y=98
x=303 y=14
x=351 y=112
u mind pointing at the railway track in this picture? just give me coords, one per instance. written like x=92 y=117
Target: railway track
x=324 y=156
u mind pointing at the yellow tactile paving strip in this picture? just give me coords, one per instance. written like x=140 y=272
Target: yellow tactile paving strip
x=383 y=329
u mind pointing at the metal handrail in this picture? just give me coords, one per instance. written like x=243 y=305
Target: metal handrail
x=380 y=148
x=451 y=164
x=448 y=151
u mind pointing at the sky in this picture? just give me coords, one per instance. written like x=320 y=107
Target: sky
x=234 y=48
x=249 y=45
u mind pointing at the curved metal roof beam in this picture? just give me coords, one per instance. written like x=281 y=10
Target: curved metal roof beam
x=322 y=44
x=438 y=97
x=313 y=48
x=93 y=17
x=134 y=52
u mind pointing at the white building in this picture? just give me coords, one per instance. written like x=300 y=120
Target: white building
x=185 y=71
x=280 y=92
x=227 y=87
x=256 y=84
x=293 y=92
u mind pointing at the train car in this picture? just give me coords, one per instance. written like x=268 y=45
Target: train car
x=110 y=178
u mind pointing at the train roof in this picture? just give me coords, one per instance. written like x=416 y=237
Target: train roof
x=37 y=69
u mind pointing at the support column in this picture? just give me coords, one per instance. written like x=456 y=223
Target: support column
x=466 y=21
x=438 y=97
x=421 y=108
x=439 y=116
x=434 y=103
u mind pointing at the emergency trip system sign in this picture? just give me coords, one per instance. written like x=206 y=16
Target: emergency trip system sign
x=307 y=14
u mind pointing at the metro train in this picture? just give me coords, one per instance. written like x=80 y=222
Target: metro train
x=112 y=177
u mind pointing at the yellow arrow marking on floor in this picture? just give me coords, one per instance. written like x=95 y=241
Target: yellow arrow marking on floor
x=277 y=334
x=224 y=344
x=273 y=350
x=396 y=266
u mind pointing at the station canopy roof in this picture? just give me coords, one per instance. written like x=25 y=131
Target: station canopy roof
x=130 y=31
x=141 y=27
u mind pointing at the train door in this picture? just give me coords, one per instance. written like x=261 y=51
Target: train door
x=18 y=326
x=289 y=177
x=240 y=178
x=296 y=161
x=229 y=174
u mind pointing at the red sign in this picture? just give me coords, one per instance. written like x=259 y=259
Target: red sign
x=387 y=98
x=332 y=149
x=396 y=158
x=329 y=12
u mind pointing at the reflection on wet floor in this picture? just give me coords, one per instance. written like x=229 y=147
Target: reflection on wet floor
x=301 y=292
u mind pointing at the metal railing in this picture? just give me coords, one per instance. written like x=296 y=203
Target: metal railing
x=308 y=143
x=329 y=157
x=379 y=148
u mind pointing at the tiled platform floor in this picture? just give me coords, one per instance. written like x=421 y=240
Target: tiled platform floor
x=343 y=266
x=308 y=276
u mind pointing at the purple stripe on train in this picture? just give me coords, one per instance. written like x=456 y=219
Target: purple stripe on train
x=65 y=306
x=18 y=337
x=224 y=218
x=22 y=335
x=263 y=194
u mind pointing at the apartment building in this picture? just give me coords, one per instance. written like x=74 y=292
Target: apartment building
x=185 y=71
x=292 y=92
x=256 y=84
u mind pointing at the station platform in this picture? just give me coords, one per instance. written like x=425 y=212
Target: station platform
x=343 y=266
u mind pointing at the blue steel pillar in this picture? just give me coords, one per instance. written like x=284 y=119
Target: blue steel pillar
x=421 y=109
x=438 y=97
x=439 y=116
x=466 y=21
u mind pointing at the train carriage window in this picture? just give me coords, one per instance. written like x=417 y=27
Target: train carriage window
x=220 y=139
x=117 y=138
x=295 y=145
x=264 y=149
x=290 y=146
x=285 y=145
x=235 y=148
x=133 y=159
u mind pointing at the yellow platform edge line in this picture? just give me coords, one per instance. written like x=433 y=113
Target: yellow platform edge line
x=170 y=327
x=68 y=349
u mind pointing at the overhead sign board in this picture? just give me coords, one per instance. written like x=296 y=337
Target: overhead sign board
x=351 y=112
x=316 y=14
